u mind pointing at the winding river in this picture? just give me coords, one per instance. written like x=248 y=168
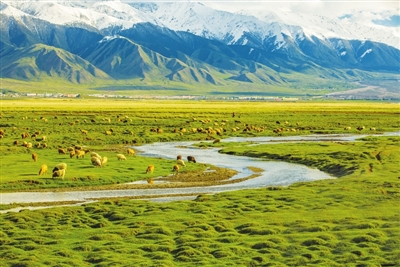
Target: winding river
x=275 y=173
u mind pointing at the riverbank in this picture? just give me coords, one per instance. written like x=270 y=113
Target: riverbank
x=341 y=222
x=350 y=221
x=54 y=129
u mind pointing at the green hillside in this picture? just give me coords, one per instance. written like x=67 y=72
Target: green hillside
x=39 y=62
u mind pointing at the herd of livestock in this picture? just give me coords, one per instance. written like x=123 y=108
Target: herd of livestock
x=213 y=130
x=98 y=161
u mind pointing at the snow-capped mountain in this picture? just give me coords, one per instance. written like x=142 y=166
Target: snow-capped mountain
x=201 y=20
x=190 y=42
x=230 y=27
x=100 y=15
x=325 y=28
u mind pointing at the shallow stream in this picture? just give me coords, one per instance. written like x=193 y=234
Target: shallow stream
x=275 y=173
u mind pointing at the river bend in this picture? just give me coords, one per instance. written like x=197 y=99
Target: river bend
x=275 y=173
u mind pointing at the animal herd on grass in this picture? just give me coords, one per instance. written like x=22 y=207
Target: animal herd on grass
x=213 y=132
x=98 y=161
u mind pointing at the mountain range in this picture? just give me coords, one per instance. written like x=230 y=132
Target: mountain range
x=188 y=45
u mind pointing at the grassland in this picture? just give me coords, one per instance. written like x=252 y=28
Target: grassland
x=165 y=87
x=350 y=221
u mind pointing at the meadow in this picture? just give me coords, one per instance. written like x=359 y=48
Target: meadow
x=353 y=220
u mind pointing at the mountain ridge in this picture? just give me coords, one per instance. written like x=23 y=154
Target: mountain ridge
x=134 y=43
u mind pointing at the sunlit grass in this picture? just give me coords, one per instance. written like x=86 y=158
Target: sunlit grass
x=349 y=221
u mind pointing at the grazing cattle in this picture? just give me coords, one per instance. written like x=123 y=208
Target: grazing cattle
x=61 y=151
x=34 y=156
x=191 y=159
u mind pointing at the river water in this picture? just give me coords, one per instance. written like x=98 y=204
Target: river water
x=275 y=173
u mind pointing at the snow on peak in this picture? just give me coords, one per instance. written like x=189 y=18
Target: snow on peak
x=204 y=21
x=199 y=19
x=324 y=27
x=364 y=54
x=110 y=38
x=100 y=14
x=10 y=11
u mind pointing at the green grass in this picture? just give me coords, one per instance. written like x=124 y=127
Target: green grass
x=136 y=122
x=300 y=86
x=337 y=158
x=309 y=224
x=349 y=221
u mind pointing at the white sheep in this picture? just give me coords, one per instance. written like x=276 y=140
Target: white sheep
x=130 y=151
x=180 y=162
x=80 y=154
x=43 y=169
x=104 y=161
x=59 y=173
x=61 y=166
x=150 y=169
x=94 y=154
x=121 y=157
x=96 y=161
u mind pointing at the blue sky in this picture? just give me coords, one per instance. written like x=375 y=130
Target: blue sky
x=393 y=21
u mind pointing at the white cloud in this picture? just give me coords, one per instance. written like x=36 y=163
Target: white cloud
x=325 y=8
